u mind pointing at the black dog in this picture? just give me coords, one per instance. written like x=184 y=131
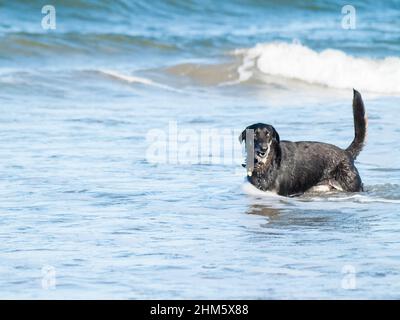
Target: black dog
x=292 y=168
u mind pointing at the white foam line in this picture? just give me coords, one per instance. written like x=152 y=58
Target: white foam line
x=358 y=198
x=135 y=79
x=251 y=190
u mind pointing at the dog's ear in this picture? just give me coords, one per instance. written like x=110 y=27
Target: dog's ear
x=242 y=136
x=276 y=135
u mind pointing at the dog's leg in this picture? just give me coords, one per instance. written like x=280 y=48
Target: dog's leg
x=347 y=177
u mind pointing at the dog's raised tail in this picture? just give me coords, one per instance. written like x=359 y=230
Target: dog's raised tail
x=360 y=125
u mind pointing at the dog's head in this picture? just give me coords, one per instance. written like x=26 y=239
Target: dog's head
x=265 y=144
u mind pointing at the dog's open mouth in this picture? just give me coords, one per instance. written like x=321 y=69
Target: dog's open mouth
x=258 y=159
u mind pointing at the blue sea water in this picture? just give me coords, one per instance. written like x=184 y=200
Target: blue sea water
x=85 y=213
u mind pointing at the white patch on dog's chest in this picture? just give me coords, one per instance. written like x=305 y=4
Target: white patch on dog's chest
x=264 y=160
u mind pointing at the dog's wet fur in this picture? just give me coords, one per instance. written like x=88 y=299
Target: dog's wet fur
x=293 y=168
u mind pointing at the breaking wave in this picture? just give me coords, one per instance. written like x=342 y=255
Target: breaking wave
x=332 y=68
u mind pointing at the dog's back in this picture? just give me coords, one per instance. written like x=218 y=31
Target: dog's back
x=305 y=164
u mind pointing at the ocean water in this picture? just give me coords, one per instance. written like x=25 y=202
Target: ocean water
x=107 y=190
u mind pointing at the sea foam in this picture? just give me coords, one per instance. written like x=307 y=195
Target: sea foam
x=332 y=68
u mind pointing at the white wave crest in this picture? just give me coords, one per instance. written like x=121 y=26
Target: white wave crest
x=135 y=79
x=332 y=68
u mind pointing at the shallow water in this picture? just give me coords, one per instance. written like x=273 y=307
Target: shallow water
x=86 y=213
